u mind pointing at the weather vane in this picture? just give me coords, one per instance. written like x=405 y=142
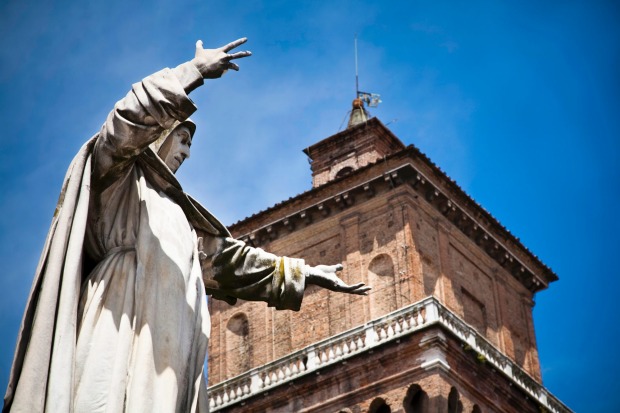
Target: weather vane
x=372 y=100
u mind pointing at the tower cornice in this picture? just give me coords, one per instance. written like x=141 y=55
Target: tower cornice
x=407 y=168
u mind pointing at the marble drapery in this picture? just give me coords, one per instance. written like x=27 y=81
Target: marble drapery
x=131 y=333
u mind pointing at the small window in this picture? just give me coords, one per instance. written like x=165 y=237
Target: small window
x=344 y=172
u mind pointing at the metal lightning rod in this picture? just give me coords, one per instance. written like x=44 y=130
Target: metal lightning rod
x=357 y=87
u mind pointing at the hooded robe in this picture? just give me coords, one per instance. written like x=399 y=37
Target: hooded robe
x=117 y=319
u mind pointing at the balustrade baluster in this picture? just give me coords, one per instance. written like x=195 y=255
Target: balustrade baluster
x=360 y=343
x=382 y=335
x=405 y=323
x=353 y=346
x=420 y=319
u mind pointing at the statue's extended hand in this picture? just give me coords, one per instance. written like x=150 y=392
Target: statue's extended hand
x=325 y=276
x=213 y=63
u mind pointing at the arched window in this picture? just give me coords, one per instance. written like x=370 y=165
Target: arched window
x=379 y=405
x=454 y=401
x=416 y=400
x=381 y=278
x=344 y=172
x=238 y=349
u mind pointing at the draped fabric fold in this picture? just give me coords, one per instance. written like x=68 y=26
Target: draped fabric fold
x=46 y=339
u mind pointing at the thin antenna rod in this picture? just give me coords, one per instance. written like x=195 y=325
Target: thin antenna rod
x=357 y=87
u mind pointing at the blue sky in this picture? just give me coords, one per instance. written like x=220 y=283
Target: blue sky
x=517 y=101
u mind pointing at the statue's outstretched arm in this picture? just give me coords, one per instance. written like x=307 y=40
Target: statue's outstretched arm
x=242 y=271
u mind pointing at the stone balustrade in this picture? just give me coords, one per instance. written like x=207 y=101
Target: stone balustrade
x=363 y=338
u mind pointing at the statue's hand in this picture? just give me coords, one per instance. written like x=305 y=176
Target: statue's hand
x=213 y=63
x=325 y=276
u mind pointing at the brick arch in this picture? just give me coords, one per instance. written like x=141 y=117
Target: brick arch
x=238 y=349
x=344 y=171
x=454 y=401
x=416 y=400
x=379 y=405
x=347 y=163
x=381 y=278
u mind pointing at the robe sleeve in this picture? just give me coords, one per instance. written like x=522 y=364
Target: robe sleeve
x=252 y=274
x=153 y=105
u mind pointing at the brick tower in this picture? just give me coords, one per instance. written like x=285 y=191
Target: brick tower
x=447 y=327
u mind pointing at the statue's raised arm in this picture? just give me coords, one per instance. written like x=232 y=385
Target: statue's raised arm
x=154 y=107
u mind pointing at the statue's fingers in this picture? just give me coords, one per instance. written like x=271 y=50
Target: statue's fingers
x=233 y=66
x=353 y=287
x=361 y=290
x=234 y=44
x=238 y=55
x=199 y=45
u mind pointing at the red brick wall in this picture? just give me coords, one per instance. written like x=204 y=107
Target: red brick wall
x=427 y=255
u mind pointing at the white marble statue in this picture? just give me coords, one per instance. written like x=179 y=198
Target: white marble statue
x=117 y=319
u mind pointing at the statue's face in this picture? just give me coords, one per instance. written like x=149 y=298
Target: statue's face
x=176 y=147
